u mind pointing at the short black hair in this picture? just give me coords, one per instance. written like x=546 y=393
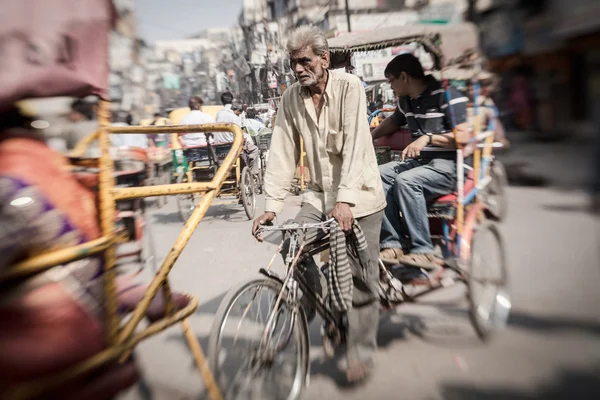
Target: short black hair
x=251 y=113
x=156 y=115
x=83 y=107
x=195 y=102
x=405 y=63
x=226 y=98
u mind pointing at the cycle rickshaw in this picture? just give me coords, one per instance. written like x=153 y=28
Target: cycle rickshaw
x=93 y=350
x=200 y=164
x=259 y=345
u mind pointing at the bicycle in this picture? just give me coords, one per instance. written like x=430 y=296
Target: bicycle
x=280 y=319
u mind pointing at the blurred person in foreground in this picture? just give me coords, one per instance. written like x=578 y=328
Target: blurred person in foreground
x=54 y=320
x=327 y=110
x=431 y=114
x=195 y=117
x=82 y=122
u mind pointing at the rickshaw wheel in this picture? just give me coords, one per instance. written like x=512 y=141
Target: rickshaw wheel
x=247 y=191
x=260 y=182
x=494 y=196
x=488 y=295
x=185 y=202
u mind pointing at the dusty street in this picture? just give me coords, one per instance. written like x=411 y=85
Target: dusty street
x=551 y=349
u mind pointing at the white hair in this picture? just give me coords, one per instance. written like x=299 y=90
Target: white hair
x=305 y=36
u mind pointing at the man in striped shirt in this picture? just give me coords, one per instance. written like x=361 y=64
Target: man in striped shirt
x=428 y=166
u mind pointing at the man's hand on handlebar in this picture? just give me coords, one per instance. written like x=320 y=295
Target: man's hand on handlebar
x=413 y=150
x=343 y=215
x=264 y=219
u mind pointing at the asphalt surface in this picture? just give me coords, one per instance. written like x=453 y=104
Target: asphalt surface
x=549 y=350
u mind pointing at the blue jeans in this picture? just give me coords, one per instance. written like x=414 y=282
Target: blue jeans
x=408 y=186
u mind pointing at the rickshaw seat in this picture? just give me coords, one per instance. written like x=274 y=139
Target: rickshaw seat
x=200 y=153
x=450 y=199
x=397 y=141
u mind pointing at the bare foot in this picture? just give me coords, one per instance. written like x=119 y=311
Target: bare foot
x=357 y=371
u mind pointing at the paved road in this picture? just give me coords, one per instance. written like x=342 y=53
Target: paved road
x=551 y=349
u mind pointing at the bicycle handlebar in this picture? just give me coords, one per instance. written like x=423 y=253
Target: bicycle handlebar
x=296 y=226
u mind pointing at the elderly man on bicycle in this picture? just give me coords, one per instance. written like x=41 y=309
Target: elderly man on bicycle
x=327 y=110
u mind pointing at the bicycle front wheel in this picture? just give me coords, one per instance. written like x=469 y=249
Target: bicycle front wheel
x=252 y=359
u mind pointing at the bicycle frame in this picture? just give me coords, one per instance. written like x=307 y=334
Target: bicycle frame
x=122 y=339
x=295 y=256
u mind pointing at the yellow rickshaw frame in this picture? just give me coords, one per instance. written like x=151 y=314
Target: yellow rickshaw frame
x=121 y=339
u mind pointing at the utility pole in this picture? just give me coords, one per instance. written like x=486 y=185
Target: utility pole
x=348 y=16
x=471 y=10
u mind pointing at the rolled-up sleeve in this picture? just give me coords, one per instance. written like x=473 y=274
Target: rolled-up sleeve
x=284 y=155
x=356 y=137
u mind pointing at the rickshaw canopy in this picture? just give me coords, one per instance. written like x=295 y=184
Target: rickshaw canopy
x=448 y=44
x=54 y=48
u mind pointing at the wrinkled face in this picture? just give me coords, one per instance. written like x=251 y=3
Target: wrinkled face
x=399 y=83
x=308 y=67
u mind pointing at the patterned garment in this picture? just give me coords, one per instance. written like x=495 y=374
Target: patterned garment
x=340 y=284
x=43 y=208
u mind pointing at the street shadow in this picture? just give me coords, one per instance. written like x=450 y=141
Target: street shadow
x=211 y=306
x=451 y=329
x=166 y=218
x=524 y=320
x=568 y=384
x=215 y=212
x=578 y=208
x=518 y=175
x=230 y=213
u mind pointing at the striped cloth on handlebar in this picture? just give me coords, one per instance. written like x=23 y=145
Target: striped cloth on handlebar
x=340 y=285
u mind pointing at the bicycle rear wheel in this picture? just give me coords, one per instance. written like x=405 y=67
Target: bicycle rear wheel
x=244 y=364
x=494 y=195
x=488 y=294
